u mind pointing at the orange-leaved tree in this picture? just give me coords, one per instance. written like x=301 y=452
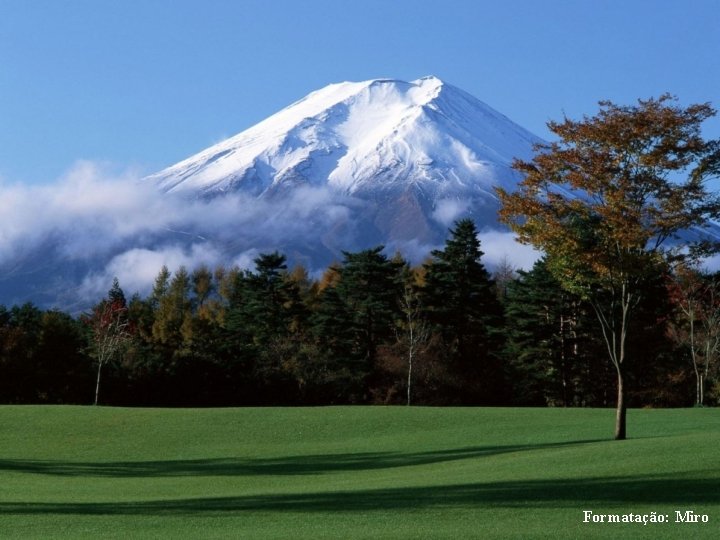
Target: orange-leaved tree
x=615 y=200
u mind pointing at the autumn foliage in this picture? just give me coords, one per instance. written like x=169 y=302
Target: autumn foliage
x=618 y=198
x=618 y=204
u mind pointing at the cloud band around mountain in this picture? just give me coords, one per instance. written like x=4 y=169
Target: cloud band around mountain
x=115 y=225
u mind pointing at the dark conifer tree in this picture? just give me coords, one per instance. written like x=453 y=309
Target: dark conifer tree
x=116 y=294
x=268 y=298
x=548 y=349
x=356 y=315
x=264 y=328
x=461 y=301
x=62 y=368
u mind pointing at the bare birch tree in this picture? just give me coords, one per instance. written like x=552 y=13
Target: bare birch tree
x=413 y=332
x=109 y=326
x=697 y=298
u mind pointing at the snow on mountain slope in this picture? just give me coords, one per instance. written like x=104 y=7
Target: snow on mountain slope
x=362 y=137
x=348 y=167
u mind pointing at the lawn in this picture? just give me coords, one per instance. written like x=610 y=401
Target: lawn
x=354 y=472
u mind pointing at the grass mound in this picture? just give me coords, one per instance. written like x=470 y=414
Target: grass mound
x=353 y=472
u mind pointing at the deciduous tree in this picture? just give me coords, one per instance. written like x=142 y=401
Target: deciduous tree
x=696 y=296
x=108 y=324
x=612 y=202
x=413 y=330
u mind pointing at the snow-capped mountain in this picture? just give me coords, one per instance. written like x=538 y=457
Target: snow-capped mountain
x=350 y=166
x=364 y=136
x=414 y=155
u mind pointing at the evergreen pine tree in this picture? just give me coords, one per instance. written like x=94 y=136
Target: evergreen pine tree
x=544 y=347
x=356 y=314
x=462 y=303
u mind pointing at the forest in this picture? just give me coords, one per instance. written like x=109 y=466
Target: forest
x=371 y=330
x=618 y=311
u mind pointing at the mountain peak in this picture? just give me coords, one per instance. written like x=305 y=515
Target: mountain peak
x=359 y=136
x=347 y=167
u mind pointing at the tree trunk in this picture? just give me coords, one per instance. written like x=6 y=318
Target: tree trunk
x=409 y=379
x=621 y=412
x=614 y=336
x=97 y=384
x=563 y=360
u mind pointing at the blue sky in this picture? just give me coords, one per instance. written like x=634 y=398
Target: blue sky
x=144 y=83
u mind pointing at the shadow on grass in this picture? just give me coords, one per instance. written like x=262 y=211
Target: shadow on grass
x=556 y=493
x=288 y=466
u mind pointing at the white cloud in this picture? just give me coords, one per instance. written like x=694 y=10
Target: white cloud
x=87 y=212
x=122 y=227
x=137 y=268
x=115 y=225
x=447 y=211
x=246 y=259
x=414 y=251
x=499 y=246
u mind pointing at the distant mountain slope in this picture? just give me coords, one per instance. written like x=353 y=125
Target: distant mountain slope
x=414 y=155
x=350 y=166
x=360 y=137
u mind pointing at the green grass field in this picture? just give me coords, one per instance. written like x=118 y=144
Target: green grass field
x=353 y=472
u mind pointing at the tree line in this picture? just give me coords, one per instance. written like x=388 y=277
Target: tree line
x=371 y=329
x=617 y=310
